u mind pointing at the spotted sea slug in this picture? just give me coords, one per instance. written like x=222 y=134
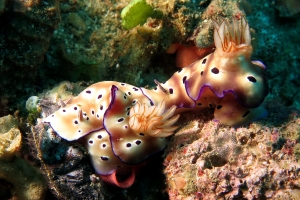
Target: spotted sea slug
x=122 y=125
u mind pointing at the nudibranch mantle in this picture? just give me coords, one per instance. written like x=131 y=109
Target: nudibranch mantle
x=122 y=125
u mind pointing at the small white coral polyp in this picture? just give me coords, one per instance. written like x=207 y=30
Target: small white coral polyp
x=154 y=121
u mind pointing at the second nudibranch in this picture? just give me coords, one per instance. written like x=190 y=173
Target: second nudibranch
x=226 y=79
x=123 y=124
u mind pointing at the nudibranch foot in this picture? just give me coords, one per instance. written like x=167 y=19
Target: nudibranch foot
x=114 y=179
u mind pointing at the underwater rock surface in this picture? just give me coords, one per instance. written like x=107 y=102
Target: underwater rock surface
x=206 y=160
x=26 y=29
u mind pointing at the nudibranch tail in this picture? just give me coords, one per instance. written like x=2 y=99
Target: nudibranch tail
x=230 y=37
x=154 y=121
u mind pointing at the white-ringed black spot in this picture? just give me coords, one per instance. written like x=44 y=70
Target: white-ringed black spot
x=204 y=61
x=129 y=93
x=84 y=114
x=91 y=141
x=126 y=127
x=246 y=113
x=103 y=145
x=134 y=101
x=75 y=108
x=99 y=136
x=184 y=79
x=199 y=104
x=138 y=142
x=87 y=118
x=155 y=88
x=179 y=70
x=128 y=145
x=151 y=103
x=215 y=70
x=251 y=79
x=75 y=122
x=97 y=116
x=93 y=112
x=128 y=113
x=171 y=90
x=101 y=107
x=79 y=131
x=52 y=115
x=141 y=134
x=135 y=89
x=104 y=158
x=88 y=91
x=201 y=73
x=122 y=84
x=121 y=119
x=99 y=96
x=64 y=110
x=125 y=97
x=219 y=106
x=128 y=108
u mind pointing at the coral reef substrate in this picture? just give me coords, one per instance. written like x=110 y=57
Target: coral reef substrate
x=206 y=160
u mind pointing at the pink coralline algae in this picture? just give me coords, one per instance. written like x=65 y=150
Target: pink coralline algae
x=122 y=125
x=206 y=160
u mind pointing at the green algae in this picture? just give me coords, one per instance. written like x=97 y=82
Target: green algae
x=136 y=13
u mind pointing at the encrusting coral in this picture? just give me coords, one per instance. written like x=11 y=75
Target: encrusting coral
x=10 y=137
x=110 y=116
x=28 y=183
x=206 y=160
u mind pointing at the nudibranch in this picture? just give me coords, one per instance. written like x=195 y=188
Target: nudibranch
x=122 y=125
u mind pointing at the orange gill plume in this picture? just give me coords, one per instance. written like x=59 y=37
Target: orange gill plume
x=154 y=121
x=231 y=37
